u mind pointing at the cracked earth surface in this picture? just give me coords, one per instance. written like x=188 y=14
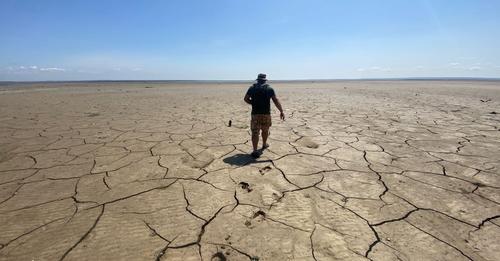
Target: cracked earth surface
x=358 y=171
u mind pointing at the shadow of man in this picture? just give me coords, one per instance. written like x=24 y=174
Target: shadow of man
x=242 y=160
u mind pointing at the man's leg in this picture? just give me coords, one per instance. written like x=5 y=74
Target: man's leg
x=255 y=139
x=265 y=135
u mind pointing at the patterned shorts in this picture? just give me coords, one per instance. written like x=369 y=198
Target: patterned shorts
x=260 y=121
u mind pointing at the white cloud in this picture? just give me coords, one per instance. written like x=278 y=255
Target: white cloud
x=136 y=69
x=52 y=69
x=454 y=64
x=32 y=70
x=23 y=67
x=374 y=69
x=474 y=68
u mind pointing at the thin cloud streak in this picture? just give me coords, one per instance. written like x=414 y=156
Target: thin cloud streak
x=52 y=69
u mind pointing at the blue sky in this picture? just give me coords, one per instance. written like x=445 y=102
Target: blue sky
x=236 y=39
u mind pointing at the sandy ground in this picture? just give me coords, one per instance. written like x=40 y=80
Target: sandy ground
x=380 y=170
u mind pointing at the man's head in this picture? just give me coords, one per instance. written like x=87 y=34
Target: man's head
x=261 y=78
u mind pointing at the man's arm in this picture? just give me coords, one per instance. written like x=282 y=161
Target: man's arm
x=247 y=99
x=278 y=105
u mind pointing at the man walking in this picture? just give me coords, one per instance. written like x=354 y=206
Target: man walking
x=259 y=95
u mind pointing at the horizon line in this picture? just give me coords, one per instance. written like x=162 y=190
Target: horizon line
x=277 y=80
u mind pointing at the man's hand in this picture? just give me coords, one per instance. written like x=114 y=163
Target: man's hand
x=247 y=99
x=282 y=116
x=278 y=105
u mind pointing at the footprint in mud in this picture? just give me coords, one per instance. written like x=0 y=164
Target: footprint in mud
x=478 y=184
x=201 y=161
x=219 y=256
x=265 y=169
x=276 y=197
x=306 y=142
x=259 y=213
x=92 y=114
x=245 y=186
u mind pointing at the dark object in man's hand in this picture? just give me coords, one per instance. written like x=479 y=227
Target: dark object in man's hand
x=229 y=124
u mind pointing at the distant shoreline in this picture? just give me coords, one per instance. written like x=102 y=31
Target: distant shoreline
x=3 y=83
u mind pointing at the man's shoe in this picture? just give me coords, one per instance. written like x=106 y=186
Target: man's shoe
x=255 y=154
x=265 y=146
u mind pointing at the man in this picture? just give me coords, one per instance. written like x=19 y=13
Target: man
x=259 y=95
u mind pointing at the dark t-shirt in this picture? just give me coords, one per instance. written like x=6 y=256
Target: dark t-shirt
x=260 y=95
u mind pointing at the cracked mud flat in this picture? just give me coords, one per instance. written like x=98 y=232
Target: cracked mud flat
x=359 y=170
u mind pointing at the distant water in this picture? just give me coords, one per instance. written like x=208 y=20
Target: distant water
x=19 y=83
